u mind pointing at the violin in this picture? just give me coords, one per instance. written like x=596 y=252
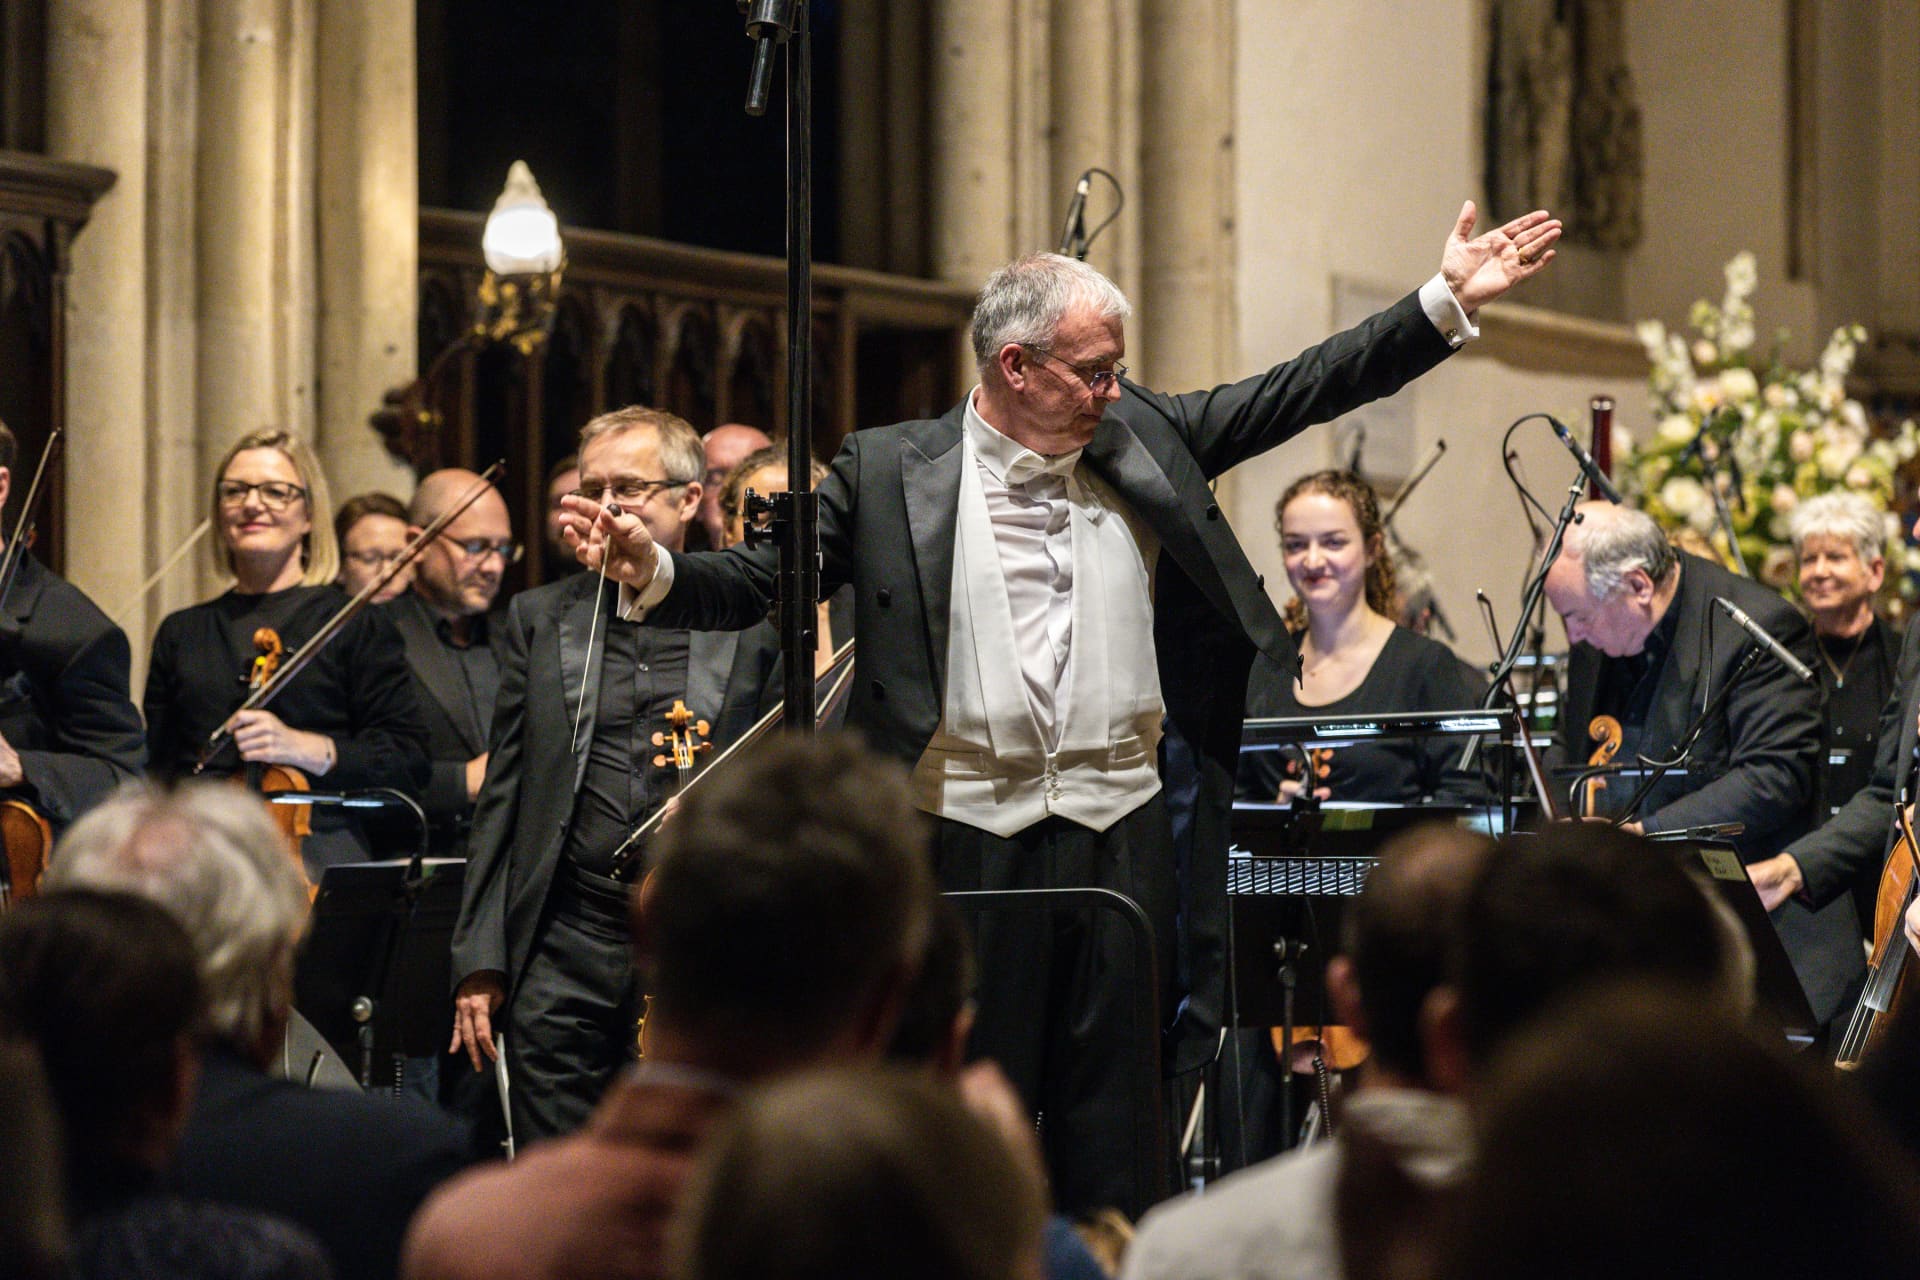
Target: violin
x=25 y=833
x=1887 y=967
x=686 y=737
x=1607 y=735
x=294 y=820
x=27 y=836
x=626 y=857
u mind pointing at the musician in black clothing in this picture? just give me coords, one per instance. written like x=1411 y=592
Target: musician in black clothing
x=349 y=720
x=69 y=733
x=541 y=950
x=1651 y=650
x=1356 y=660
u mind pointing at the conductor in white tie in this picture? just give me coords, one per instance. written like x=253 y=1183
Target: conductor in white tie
x=1050 y=611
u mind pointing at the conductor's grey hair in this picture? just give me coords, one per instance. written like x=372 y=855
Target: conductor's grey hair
x=212 y=857
x=1611 y=548
x=1024 y=302
x=1851 y=517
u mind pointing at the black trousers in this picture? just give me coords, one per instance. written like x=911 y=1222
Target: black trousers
x=1058 y=989
x=571 y=1022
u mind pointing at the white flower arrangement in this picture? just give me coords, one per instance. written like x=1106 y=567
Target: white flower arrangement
x=1788 y=434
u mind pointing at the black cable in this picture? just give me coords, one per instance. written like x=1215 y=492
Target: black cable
x=1119 y=203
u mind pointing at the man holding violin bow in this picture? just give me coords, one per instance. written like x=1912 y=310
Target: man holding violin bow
x=69 y=733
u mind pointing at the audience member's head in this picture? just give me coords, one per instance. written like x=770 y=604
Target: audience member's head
x=1552 y=914
x=937 y=1015
x=1398 y=937
x=371 y=529
x=724 y=448
x=33 y=1219
x=210 y=855
x=459 y=573
x=846 y=1174
x=787 y=909
x=1637 y=1131
x=104 y=987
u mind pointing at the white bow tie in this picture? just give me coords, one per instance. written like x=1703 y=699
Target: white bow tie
x=1031 y=466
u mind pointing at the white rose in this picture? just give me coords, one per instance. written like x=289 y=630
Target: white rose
x=1835 y=458
x=1742 y=274
x=1739 y=384
x=1854 y=415
x=1685 y=497
x=1859 y=478
x=1800 y=446
x=1784 y=499
x=1705 y=352
x=1778 y=396
x=1677 y=429
x=1653 y=337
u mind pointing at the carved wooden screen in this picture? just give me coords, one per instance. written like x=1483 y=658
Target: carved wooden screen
x=698 y=332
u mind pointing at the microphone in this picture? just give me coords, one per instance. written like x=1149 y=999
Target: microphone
x=1761 y=637
x=1074 y=231
x=1591 y=469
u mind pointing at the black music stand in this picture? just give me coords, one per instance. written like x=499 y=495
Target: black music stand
x=1781 y=997
x=1152 y=1172
x=375 y=972
x=1304 y=733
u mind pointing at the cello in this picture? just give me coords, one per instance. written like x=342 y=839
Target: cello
x=1888 y=967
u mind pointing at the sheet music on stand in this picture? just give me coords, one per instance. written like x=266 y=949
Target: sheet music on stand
x=1275 y=733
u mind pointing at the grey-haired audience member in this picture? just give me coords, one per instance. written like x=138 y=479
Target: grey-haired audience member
x=349 y=1167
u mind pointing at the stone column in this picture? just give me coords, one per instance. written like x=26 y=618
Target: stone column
x=1186 y=194
x=1094 y=123
x=971 y=125
x=248 y=284
x=368 y=234
x=177 y=497
x=97 y=92
x=1186 y=189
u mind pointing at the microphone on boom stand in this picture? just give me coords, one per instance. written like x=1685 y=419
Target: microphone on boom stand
x=1588 y=467
x=1073 y=232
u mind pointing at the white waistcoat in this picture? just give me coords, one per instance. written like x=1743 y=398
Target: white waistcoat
x=992 y=764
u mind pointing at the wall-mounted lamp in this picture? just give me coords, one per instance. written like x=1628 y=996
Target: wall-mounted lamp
x=516 y=300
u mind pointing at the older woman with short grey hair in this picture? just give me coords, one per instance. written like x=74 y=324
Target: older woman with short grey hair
x=1838 y=541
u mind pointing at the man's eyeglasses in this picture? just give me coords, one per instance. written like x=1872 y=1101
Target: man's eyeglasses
x=626 y=491
x=275 y=495
x=1097 y=380
x=480 y=548
x=375 y=559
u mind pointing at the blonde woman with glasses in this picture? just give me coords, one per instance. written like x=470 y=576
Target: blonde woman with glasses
x=348 y=721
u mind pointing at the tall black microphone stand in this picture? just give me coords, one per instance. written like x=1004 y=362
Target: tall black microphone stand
x=795 y=513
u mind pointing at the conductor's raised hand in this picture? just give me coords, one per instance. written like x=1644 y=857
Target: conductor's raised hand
x=1481 y=268
x=609 y=535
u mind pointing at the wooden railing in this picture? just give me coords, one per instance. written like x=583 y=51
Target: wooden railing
x=695 y=331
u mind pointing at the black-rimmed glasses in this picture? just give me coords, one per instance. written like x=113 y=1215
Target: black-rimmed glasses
x=275 y=495
x=509 y=551
x=627 y=491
